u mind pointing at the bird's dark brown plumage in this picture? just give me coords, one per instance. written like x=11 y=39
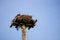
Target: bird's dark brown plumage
x=20 y=20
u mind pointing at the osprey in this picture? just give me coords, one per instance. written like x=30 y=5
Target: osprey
x=20 y=20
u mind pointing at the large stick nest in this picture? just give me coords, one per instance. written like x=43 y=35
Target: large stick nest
x=20 y=20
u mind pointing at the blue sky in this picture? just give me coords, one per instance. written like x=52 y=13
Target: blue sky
x=47 y=12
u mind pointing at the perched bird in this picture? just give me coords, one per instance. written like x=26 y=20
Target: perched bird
x=19 y=20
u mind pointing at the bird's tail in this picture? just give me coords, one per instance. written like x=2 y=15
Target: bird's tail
x=35 y=20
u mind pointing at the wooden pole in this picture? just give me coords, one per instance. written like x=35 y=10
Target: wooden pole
x=23 y=32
